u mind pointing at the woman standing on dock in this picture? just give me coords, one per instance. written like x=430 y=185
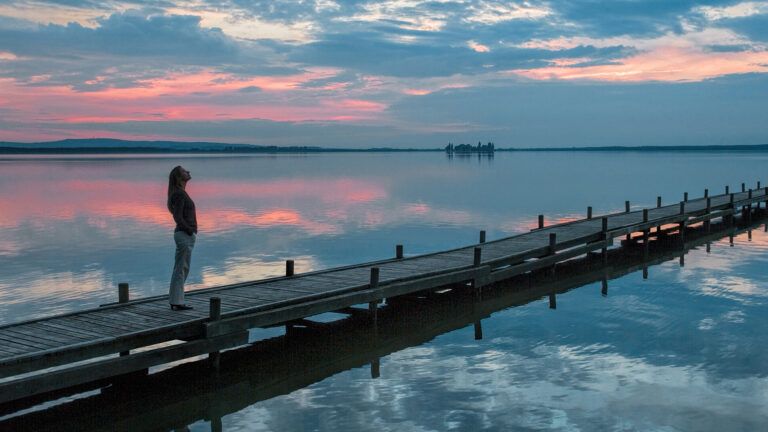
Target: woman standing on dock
x=182 y=208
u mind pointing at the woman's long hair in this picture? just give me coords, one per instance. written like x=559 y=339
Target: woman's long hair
x=174 y=184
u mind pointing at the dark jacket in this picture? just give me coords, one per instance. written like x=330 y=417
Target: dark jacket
x=183 y=209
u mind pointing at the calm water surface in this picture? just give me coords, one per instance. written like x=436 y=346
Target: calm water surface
x=683 y=350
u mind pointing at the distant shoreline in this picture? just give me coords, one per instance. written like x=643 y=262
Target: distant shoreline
x=110 y=146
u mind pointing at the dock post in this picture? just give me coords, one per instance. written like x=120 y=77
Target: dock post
x=589 y=212
x=123 y=296
x=289 y=268
x=658 y=201
x=375 y=368
x=732 y=207
x=765 y=192
x=681 y=228
x=743 y=187
x=215 y=315
x=727 y=189
x=482 y=236
x=552 y=243
x=552 y=301
x=706 y=192
x=685 y=196
x=541 y=221
x=552 y=249
x=758 y=185
x=478 y=330
x=373 y=307
x=399 y=251
x=604 y=286
x=646 y=231
x=708 y=222
x=626 y=206
x=604 y=236
x=476 y=260
x=682 y=260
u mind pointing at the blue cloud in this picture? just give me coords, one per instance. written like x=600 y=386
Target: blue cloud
x=754 y=27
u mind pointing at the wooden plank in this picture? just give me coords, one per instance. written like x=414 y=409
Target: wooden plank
x=120 y=328
x=86 y=350
x=18 y=345
x=328 y=304
x=59 y=333
x=74 y=321
x=151 y=313
x=53 y=324
x=36 y=335
x=145 y=320
x=49 y=381
x=31 y=341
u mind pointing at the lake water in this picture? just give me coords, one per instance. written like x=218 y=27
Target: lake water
x=682 y=350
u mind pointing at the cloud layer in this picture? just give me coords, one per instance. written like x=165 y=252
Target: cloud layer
x=346 y=74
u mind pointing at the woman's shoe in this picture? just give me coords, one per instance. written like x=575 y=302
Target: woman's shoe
x=180 y=307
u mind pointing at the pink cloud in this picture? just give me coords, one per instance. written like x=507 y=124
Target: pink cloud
x=663 y=64
x=172 y=98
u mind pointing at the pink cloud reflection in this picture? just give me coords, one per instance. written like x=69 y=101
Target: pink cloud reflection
x=144 y=203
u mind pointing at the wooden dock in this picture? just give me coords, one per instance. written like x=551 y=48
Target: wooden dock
x=61 y=351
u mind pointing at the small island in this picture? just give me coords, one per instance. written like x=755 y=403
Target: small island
x=469 y=148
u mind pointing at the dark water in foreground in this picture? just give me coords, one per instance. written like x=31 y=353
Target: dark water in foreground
x=683 y=350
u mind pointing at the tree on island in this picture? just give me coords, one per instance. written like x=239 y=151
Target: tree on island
x=469 y=148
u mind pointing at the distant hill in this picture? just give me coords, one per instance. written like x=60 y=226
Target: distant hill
x=112 y=144
x=108 y=145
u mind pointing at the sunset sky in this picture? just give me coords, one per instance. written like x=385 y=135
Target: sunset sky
x=399 y=73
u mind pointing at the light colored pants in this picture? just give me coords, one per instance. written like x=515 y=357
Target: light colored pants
x=184 y=245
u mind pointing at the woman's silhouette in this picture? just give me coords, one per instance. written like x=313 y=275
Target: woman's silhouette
x=182 y=208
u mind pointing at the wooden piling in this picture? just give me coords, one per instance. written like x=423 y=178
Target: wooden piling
x=214 y=314
x=727 y=189
x=604 y=236
x=476 y=260
x=658 y=201
x=399 y=251
x=681 y=226
x=589 y=212
x=646 y=231
x=706 y=193
x=289 y=268
x=685 y=196
x=552 y=243
x=743 y=187
x=482 y=236
x=478 y=330
x=375 y=368
x=552 y=301
x=373 y=307
x=123 y=296
x=541 y=221
x=626 y=206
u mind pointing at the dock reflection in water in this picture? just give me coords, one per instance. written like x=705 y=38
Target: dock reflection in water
x=190 y=394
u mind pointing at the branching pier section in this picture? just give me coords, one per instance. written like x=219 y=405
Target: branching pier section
x=65 y=350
